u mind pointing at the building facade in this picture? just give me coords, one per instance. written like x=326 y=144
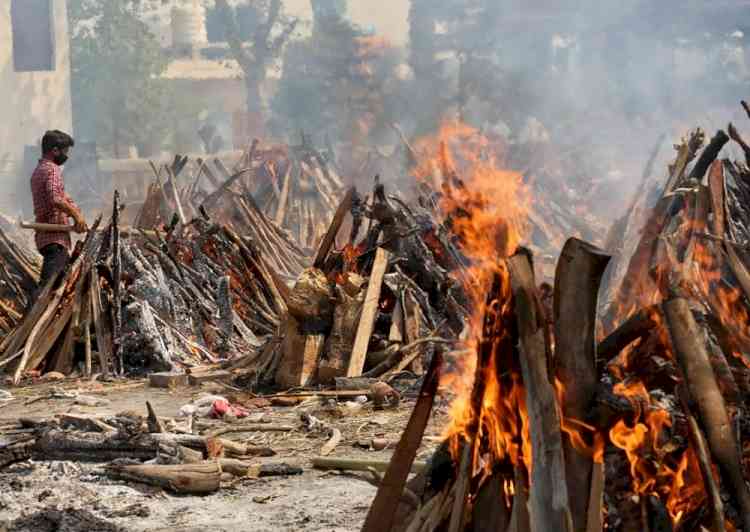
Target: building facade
x=34 y=86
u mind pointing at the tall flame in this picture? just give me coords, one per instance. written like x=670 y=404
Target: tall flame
x=485 y=206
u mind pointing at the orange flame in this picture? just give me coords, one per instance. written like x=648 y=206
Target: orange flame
x=486 y=207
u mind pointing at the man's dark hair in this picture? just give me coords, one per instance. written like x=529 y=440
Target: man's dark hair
x=56 y=139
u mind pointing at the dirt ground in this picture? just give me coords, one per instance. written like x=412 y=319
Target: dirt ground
x=68 y=496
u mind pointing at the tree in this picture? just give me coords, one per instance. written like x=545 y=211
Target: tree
x=247 y=16
x=337 y=81
x=116 y=64
x=267 y=41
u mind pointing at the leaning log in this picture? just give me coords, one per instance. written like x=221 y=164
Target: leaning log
x=690 y=350
x=380 y=518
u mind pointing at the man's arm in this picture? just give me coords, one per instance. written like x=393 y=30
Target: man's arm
x=62 y=202
x=67 y=206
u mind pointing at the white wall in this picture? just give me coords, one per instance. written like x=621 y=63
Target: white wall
x=30 y=104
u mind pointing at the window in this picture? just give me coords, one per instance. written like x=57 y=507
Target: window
x=33 y=35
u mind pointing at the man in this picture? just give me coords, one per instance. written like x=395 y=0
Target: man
x=53 y=206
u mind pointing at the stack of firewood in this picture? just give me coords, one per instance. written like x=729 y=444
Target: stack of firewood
x=174 y=197
x=19 y=273
x=376 y=304
x=297 y=188
x=154 y=299
x=644 y=430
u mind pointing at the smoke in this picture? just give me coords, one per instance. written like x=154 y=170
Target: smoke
x=600 y=80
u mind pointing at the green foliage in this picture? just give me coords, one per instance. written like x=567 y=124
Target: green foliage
x=116 y=63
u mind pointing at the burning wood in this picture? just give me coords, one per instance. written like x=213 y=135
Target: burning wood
x=530 y=423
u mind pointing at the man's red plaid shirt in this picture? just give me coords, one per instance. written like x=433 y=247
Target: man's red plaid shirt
x=47 y=188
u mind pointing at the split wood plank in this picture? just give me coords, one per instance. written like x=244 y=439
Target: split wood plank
x=548 y=495
x=381 y=514
x=369 y=314
x=281 y=209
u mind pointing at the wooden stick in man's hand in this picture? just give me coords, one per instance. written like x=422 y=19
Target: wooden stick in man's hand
x=48 y=228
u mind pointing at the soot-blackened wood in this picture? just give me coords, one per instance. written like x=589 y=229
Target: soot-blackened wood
x=577 y=279
x=333 y=229
x=116 y=280
x=548 y=494
x=716 y=188
x=380 y=517
x=688 y=342
x=709 y=155
x=636 y=326
x=490 y=513
x=18 y=451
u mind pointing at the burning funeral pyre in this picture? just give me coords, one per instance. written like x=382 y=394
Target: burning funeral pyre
x=551 y=429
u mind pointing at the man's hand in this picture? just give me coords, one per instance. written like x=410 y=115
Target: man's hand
x=80 y=225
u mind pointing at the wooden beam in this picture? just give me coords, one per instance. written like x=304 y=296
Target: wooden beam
x=381 y=514
x=369 y=313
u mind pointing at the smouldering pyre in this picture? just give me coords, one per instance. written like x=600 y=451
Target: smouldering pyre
x=553 y=427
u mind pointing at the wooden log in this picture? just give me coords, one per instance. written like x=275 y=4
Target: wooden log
x=117 y=354
x=346 y=316
x=284 y=197
x=154 y=423
x=690 y=350
x=101 y=326
x=636 y=326
x=380 y=516
x=351 y=464
x=548 y=495
x=716 y=188
x=83 y=423
x=194 y=479
x=240 y=468
x=594 y=518
x=87 y=338
x=709 y=155
x=704 y=459
x=311 y=300
x=577 y=279
x=196 y=379
x=333 y=229
x=176 y=196
x=413 y=328
x=44 y=318
x=716 y=184
x=168 y=379
x=300 y=355
x=18 y=451
x=369 y=314
x=519 y=517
